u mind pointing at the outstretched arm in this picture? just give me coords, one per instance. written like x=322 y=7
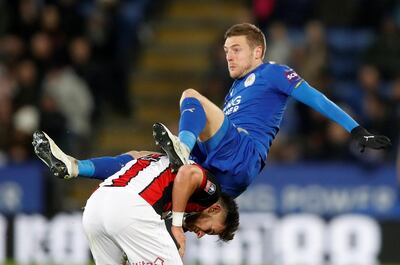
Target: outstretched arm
x=318 y=101
x=188 y=179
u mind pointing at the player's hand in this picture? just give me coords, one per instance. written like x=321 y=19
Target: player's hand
x=180 y=237
x=366 y=139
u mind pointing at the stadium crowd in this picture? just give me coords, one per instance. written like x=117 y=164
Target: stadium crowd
x=59 y=59
x=62 y=63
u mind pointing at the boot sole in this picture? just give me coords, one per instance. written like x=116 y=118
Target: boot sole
x=163 y=139
x=43 y=150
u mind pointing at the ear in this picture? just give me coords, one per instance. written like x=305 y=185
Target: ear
x=258 y=52
x=215 y=208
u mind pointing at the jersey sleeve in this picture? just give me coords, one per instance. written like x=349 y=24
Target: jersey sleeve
x=283 y=78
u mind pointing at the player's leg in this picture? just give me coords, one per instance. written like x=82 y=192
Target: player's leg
x=200 y=118
x=104 y=250
x=102 y=167
x=65 y=166
x=146 y=240
x=202 y=124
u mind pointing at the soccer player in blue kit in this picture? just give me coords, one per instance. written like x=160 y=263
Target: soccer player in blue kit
x=233 y=143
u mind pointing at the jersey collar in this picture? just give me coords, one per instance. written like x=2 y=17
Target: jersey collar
x=252 y=71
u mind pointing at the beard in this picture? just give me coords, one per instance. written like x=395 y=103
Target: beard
x=190 y=220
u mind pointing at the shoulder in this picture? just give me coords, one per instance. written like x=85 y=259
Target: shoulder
x=272 y=72
x=276 y=68
x=281 y=73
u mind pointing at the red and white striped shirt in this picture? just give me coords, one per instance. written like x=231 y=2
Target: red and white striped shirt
x=152 y=179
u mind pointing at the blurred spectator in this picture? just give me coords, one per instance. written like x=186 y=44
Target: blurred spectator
x=286 y=149
x=348 y=11
x=102 y=32
x=12 y=48
x=26 y=91
x=311 y=59
x=50 y=24
x=54 y=56
x=263 y=10
x=72 y=97
x=72 y=19
x=6 y=111
x=42 y=50
x=24 y=18
x=369 y=78
x=336 y=144
x=52 y=120
x=294 y=13
x=98 y=37
x=4 y=18
x=50 y=19
x=369 y=83
x=377 y=119
x=217 y=82
x=396 y=13
x=5 y=126
x=394 y=96
x=25 y=121
x=80 y=54
x=398 y=167
x=279 y=47
x=376 y=114
x=313 y=131
x=385 y=51
x=371 y=13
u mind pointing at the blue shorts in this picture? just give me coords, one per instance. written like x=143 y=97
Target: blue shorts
x=232 y=156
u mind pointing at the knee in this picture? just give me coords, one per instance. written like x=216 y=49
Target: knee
x=190 y=93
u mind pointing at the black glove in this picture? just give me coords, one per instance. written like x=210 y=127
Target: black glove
x=366 y=139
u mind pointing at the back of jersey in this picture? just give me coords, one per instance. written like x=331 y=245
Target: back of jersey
x=139 y=173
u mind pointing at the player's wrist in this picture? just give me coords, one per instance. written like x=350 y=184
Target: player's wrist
x=177 y=218
x=358 y=132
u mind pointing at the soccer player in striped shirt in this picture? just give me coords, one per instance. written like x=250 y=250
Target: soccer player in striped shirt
x=124 y=215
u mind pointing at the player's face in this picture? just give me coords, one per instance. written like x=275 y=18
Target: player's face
x=206 y=223
x=241 y=58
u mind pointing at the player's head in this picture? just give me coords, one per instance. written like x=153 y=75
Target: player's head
x=221 y=218
x=244 y=48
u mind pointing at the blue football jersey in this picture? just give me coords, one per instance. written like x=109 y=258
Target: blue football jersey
x=257 y=101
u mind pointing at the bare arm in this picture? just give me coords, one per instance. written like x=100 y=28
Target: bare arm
x=186 y=182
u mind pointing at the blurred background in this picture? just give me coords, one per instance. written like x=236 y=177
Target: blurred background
x=96 y=74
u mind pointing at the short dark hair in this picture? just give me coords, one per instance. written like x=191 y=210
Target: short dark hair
x=232 y=217
x=254 y=35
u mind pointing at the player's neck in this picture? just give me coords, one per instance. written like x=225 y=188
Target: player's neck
x=251 y=69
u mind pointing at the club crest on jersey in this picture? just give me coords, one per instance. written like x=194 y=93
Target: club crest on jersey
x=210 y=188
x=250 y=80
x=292 y=76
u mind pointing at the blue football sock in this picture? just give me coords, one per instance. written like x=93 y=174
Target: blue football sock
x=86 y=168
x=102 y=167
x=192 y=121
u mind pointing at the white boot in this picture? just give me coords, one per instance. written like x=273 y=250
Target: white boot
x=60 y=164
x=178 y=153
